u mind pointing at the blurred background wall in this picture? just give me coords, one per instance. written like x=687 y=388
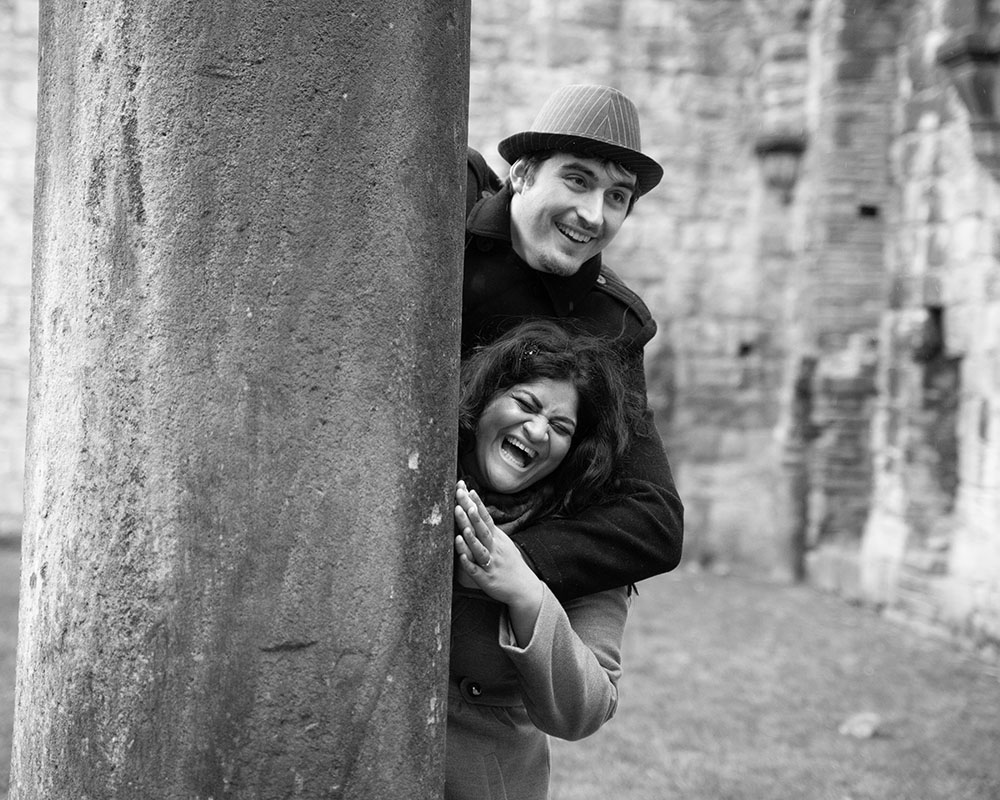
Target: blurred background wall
x=822 y=260
x=18 y=85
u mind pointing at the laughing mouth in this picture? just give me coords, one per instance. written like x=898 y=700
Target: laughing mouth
x=517 y=452
x=574 y=235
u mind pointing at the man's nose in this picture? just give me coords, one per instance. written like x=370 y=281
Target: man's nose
x=591 y=208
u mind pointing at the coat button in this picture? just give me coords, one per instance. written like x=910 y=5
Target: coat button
x=601 y=280
x=475 y=689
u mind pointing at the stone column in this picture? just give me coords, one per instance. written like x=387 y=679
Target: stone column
x=241 y=436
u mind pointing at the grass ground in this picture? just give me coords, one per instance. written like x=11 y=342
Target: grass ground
x=735 y=690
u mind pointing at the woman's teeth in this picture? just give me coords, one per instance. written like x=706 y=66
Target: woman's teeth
x=520 y=453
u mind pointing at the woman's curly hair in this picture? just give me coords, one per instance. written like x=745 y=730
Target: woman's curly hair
x=609 y=410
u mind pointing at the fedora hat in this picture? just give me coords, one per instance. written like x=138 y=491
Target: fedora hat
x=589 y=120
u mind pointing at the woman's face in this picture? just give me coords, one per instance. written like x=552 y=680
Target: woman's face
x=525 y=432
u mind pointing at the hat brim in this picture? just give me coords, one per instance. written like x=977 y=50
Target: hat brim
x=647 y=172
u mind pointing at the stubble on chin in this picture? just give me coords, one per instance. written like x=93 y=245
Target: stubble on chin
x=559 y=268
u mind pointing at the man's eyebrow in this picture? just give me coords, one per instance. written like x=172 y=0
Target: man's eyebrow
x=581 y=167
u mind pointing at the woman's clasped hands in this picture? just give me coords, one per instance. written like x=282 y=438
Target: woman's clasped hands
x=489 y=560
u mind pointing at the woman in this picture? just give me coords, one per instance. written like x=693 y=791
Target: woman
x=544 y=419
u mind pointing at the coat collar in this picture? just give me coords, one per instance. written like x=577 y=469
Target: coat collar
x=490 y=219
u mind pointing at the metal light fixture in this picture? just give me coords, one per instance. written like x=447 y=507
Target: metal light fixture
x=973 y=63
x=780 y=154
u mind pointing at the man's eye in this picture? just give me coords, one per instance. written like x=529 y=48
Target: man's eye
x=618 y=198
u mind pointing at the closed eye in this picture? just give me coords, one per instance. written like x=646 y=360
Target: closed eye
x=561 y=427
x=527 y=402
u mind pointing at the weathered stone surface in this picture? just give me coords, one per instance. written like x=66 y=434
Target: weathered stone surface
x=237 y=550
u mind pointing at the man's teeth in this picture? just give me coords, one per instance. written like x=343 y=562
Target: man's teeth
x=574 y=235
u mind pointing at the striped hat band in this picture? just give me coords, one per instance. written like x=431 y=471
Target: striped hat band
x=596 y=121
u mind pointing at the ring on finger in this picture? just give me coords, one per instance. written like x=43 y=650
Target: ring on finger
x=488 y=562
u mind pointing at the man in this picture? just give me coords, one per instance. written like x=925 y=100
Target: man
x=533 y=249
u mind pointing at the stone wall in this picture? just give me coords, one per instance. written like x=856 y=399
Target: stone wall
x=826 y=369
x=690 y=248
x=846 y=197
x=18 y=48
x=931 y=550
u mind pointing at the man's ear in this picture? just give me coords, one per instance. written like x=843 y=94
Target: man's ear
x=518 y=175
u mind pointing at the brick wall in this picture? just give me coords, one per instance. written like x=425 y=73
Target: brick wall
x=932 y=544
x=846 y=188
x=18 y=49
x=826 y=370
x=691 y=247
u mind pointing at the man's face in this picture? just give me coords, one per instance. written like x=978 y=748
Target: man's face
x=567 y=210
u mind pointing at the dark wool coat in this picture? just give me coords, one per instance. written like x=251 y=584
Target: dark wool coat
x=618 y=543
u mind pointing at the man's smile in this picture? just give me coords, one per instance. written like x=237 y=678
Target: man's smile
x=565 y=209
x=574 y=235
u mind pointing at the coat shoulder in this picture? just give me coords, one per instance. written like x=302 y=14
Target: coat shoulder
x=481 y=180
x=610 y=285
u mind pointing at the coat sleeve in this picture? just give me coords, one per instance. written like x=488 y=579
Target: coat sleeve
x=569 y=671
x=635 y=536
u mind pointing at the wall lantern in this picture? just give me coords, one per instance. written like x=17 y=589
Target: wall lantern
x=780 y=154
x=973 y=64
